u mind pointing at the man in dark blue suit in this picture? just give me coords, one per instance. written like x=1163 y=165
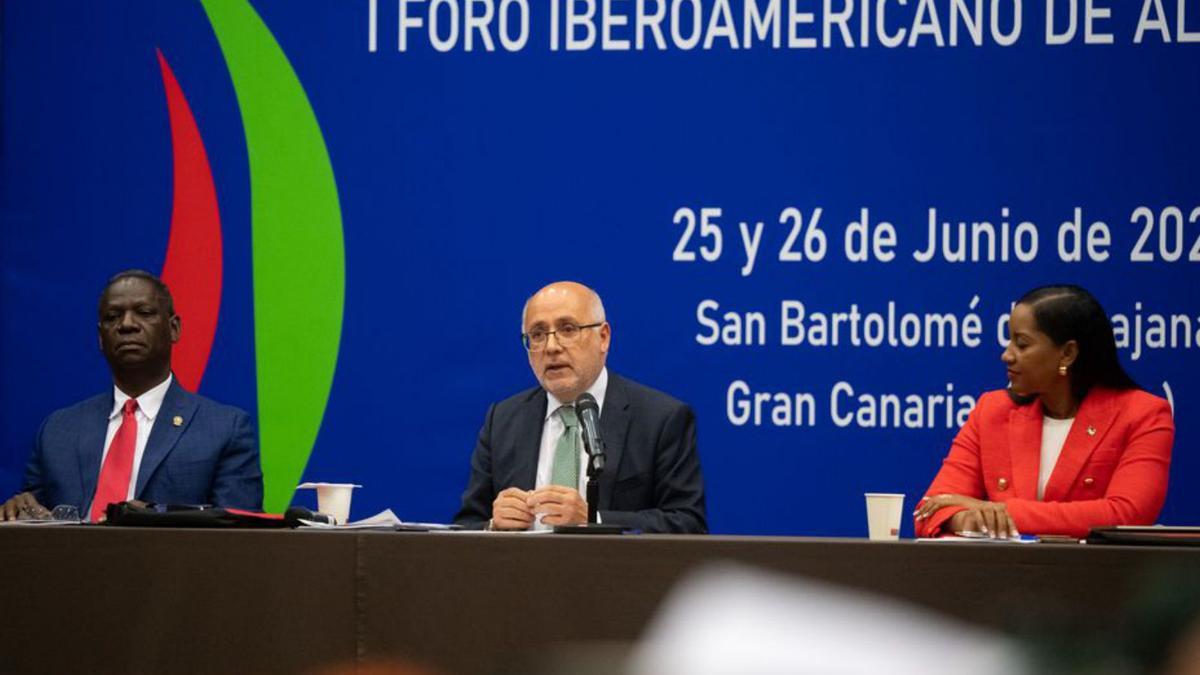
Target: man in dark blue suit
x=147 y=439
x=529 y=468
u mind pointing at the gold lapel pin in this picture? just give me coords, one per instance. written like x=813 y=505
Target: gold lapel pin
x=178 y=421
x=1091 y=430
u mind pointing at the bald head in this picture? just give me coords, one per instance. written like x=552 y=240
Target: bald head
x=571 y=318
x=567 y=290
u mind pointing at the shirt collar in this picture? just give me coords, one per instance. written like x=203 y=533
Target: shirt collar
x=149 y=403
x=598 y=389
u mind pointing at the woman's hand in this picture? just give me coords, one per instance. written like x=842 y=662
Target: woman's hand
x=990 y=518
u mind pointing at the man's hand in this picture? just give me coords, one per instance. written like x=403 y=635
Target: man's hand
x=559 y=505
x=990 y=518
x=511 y=511
x=22 y=506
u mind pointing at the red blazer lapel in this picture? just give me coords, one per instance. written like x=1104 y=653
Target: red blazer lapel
x=1025 y=450
x=1093 y=420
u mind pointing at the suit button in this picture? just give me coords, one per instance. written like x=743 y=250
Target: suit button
x=1002 y=484
x=1088 y=481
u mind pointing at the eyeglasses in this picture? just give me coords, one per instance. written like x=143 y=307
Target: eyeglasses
x=536 y=339
x=63 y=513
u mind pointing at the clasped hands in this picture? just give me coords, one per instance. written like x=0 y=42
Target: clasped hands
x=990 y=518
x=516 y=509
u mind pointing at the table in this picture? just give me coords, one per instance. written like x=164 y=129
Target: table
x=106 y=599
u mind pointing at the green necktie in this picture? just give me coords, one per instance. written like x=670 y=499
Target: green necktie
x=566 y=453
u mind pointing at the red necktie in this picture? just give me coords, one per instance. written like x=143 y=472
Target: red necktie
x=113 y=485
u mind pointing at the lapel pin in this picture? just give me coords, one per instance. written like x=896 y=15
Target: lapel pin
x=1091 y=430
x=178 y=421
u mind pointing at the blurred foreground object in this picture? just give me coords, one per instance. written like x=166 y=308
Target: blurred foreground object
x=733 y=619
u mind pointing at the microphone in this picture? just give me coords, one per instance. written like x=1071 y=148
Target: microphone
x=295 y=514
x=588 y=412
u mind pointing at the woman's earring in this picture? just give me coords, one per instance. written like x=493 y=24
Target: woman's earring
x=1062 y=370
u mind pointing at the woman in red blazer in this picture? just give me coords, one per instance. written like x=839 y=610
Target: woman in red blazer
x=1010 y=470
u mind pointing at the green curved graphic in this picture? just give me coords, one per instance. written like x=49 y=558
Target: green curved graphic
x=299 y=264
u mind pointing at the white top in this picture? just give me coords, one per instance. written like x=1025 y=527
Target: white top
x=552 y=429
x=1054 y=436
x=149 y=404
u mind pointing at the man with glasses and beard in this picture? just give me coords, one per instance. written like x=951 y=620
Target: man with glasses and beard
x=529 y=465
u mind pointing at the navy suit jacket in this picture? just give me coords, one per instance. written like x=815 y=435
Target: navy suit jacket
x=210 y=458
x=652 y=479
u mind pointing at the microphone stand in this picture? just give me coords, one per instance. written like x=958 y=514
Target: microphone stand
x=589 y=417
x=595 y=468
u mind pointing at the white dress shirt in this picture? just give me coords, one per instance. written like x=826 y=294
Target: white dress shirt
x=1054 y=436
x=148 y=405
x=552 y=430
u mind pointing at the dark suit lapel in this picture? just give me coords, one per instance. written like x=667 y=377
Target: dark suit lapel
x=530 y=422
x=1024 y=449
x=1093 y=420
x=165 y=433
x=614 y=427
x=92 y=430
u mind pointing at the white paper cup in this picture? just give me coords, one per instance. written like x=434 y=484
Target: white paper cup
x=883 y=515
x=333 y=499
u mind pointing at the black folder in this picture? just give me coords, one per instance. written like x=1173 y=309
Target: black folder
x=1146 y=535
